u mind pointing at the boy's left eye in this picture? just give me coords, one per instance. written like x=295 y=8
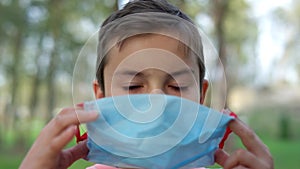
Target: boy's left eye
x=178 y=88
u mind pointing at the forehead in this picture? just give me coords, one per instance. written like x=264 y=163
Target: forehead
x=151 y=40
x=151 y=50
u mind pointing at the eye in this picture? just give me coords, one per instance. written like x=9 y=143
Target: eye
x=132 y=87
x=178 y=88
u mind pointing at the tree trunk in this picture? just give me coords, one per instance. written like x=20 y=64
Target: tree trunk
x=54 y=21
x=36 y=82
x=51 y=92
x=12 y=105
x=220 y=8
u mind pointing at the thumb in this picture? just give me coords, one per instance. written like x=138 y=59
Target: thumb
x=75 y=153
x=221 y=156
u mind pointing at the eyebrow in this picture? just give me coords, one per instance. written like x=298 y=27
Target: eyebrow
x=129 y=73
x=183 y=71
x=136 y=73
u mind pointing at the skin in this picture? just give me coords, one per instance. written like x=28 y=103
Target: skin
x=48 y=149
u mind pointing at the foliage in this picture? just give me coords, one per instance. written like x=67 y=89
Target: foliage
x=286 y=21
x=40 y=41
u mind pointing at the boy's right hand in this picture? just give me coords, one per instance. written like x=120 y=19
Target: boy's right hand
x=47 y=151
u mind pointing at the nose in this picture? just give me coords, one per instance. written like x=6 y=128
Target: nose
x=156 y=80
x=157 y=91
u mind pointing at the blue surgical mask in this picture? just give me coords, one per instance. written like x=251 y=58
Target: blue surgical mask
x=154 y=131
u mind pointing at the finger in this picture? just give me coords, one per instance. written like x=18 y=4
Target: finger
x=243 y=158
x=249 y=139
x=73 y=154
x=240 y=167
x=60 y=141
x=221 y=156
x=69 y=117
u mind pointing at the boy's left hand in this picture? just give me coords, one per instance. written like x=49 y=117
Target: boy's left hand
x=257 y=155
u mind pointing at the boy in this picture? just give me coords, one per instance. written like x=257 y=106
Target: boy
x=125 y=66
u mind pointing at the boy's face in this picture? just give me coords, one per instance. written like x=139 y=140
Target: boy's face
x=151 y=64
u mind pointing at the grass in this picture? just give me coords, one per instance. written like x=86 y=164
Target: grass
x=285 y=153
x=10 y=160
x=80 y=164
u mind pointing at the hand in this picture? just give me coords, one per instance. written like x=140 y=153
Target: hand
x=257 y=155
x=47 y=151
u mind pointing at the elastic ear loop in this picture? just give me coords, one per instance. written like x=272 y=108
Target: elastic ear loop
x=227 y=133
x=79 y=137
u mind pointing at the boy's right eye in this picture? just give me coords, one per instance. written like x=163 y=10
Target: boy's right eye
x=132 y=87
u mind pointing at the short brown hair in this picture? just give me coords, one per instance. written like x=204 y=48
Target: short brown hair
x=138 y=10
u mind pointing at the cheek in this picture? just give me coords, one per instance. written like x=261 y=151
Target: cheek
x=170 y=91
x=116 y=90
x=107 y=85
x=192 y=94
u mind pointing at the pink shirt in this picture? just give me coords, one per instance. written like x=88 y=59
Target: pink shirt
x=100 y=166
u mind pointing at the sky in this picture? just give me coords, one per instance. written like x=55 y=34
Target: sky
x=271 y=41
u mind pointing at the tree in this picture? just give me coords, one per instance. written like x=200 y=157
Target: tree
x=287 y=24
x=235 y=33
x=14 y=32
x=40 y=41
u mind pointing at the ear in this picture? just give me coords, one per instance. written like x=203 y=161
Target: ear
x=97 y=90
x=203 y=90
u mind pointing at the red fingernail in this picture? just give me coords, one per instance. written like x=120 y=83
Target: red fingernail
x=80 y=104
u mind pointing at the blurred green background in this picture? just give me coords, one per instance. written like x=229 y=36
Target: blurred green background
x=257 y=41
